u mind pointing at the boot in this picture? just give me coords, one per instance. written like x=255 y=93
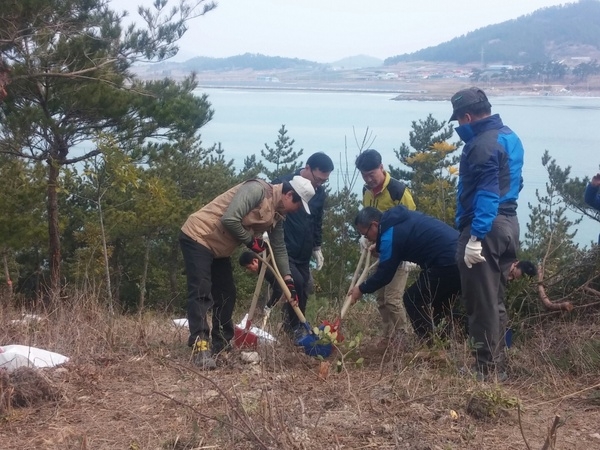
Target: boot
x=202 y=356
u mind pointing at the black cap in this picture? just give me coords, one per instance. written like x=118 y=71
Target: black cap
x=466 y=97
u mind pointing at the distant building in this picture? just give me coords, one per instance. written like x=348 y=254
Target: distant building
x=388 y=76
x=268 y=79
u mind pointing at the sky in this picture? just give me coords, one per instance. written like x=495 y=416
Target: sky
x=329 y=30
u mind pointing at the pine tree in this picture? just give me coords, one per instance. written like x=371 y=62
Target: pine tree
x=70 y=80
x=432 y=174
x=282 y=155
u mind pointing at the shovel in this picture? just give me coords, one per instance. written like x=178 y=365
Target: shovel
x=308 y=342
x=243 y=337
x=365 y=257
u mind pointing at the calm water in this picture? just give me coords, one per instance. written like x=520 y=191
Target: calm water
x=334 y=121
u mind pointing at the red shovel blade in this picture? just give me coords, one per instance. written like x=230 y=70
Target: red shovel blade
x=244 y=338
x=334 y=327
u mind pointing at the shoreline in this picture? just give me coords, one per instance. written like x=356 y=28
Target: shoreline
x=442 y=94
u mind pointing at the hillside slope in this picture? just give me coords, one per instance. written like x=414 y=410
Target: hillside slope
x=552 y=33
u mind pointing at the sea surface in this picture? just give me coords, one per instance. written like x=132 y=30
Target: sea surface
x=337 y=122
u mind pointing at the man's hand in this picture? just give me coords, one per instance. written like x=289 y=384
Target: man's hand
x=289 y=282
x=473 y=253
x=596 y=180
x=364 y=243
x=318 y=255
x=257 y=245
x=355 y=294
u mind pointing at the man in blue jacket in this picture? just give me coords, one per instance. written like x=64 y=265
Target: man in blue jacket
x=304 y=235
x=592 y=194
x=404 y=235
x=486 y=215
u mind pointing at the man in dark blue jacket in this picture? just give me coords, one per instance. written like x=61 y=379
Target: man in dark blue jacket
x=592 y=194
x=404 y=235
x=486 y=215
x=303 y=234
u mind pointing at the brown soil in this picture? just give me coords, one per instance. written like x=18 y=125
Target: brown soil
x=149 y=396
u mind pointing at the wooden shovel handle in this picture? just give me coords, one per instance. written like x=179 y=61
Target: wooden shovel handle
x=286 y=292
x=361 y=278
x=259 y=283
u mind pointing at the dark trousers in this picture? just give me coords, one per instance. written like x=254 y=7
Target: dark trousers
x=210 y=284
x=483 y=291
x=301 y=275
x=430 y=298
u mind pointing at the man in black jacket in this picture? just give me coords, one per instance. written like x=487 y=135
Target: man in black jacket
x=251 y=263
x=303 y=235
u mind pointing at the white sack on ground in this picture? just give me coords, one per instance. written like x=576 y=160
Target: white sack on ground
x=180 y=322
x=257 y=331
x=14 y=356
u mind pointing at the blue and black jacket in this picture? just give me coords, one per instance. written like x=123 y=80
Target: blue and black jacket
x=406 y=235
x=489 y=176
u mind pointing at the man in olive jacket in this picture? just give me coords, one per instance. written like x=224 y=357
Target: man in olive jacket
x=383 y=192
x=208 y=239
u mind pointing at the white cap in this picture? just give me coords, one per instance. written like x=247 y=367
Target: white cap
x=304 y=189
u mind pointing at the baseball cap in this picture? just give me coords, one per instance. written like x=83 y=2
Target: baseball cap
x=466 y=97
x=304 y=189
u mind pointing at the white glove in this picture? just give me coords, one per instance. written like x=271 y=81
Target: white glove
x=364 y=243
x=318 y=255
x=473 y=253
x=265 y=236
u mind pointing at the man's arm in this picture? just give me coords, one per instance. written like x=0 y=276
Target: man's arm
x=245 y=200
x=277 y=240
x=487 y=191
x=407 y=200
x=318 y=225
x=389 y=260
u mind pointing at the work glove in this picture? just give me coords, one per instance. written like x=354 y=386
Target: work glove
x=292 y=287
x=364 y=243
x=257 y=245
x=473 y=252
x=318 y=255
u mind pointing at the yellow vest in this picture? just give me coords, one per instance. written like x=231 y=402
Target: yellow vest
x=392 y=194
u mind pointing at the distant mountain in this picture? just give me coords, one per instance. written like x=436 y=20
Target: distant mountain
x=358 y=62
x=254 y=61
x=553 y=33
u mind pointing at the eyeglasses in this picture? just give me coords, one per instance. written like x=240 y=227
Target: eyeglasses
x=318 y=180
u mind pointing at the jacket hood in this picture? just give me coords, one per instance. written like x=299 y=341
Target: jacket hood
x=393 y=216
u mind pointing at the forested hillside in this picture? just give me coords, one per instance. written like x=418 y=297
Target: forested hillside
x=547 y=34
x=254 y=61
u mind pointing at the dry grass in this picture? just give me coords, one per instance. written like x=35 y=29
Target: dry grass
x=130 y=385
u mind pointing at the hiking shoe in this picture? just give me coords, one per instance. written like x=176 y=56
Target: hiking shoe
x=202 y=356
x=399 y=341
x=220 y=346
x=490 y=377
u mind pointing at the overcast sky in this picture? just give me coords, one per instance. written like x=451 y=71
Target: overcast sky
x=328 y=30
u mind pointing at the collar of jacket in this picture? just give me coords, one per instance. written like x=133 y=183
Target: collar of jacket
x=381 y=188
x=493 y=122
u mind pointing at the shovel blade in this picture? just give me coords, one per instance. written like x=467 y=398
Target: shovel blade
x=311 y=348
x=334 y=327
x=243 y=338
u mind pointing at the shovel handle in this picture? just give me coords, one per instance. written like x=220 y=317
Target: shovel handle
x=361 y=278
x=286 y=292
x=259 y=283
